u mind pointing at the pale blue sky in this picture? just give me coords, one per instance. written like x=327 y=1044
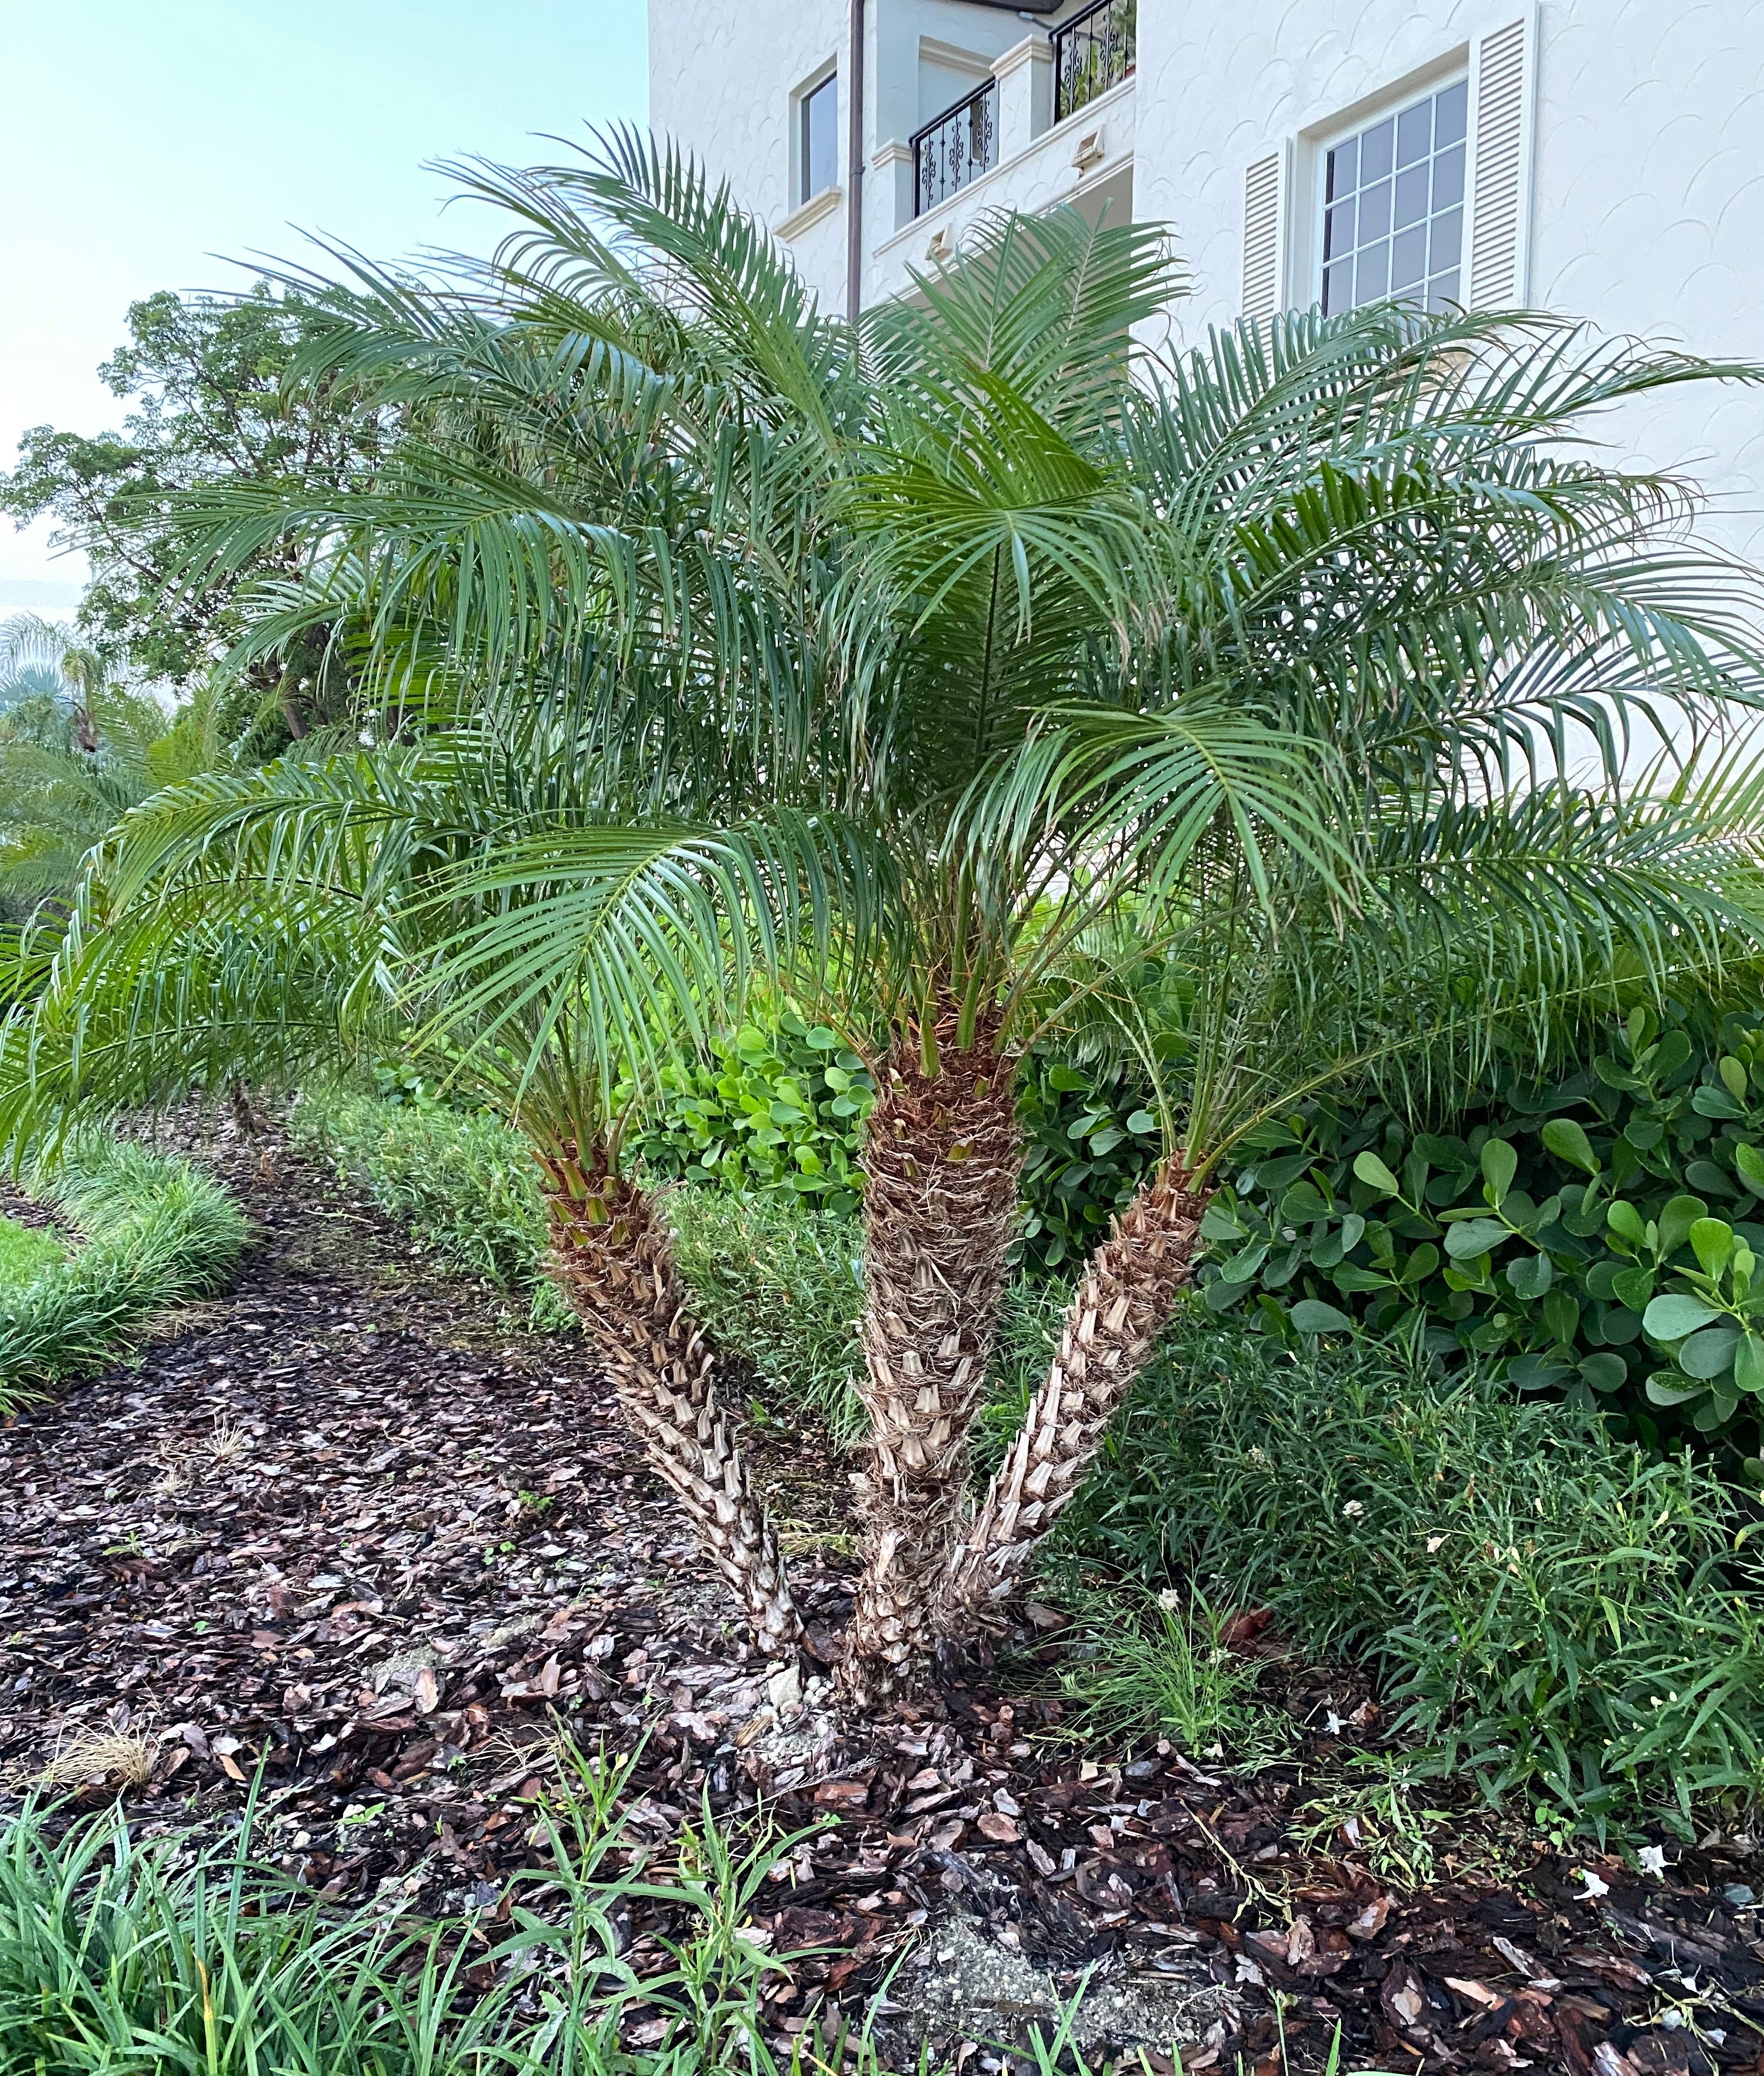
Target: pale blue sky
x=144 y=137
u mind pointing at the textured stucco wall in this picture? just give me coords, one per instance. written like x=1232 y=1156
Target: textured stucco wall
x=721 y=77
x=1648 y=201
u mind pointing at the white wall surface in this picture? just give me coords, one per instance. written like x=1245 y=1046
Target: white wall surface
x=1648 y=194
x=722 y=73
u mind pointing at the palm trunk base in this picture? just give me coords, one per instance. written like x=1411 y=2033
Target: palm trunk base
x=1121 y=1306
x=612 y=1258
x=941 y=1161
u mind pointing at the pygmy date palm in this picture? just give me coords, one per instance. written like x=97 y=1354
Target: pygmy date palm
x=919 y=664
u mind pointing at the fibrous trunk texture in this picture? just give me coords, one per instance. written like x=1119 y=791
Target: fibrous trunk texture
x=941 y=1162
x=613 y=1259
x=1111 y=1325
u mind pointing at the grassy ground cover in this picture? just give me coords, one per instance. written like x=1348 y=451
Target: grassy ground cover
x=156 y=1233
x=1554 y=1611
x=149 y=1957
x=25 y=1253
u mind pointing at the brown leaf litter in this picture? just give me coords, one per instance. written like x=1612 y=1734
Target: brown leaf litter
x=351 y=1528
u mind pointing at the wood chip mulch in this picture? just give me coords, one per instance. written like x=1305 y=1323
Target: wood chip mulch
x=353 y=1528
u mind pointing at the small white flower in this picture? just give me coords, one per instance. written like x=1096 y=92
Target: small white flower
x=1594 y=1888
x=1354 y=1510
x=1651 y=1860
x=1332 y=1724
x=1170 y=1598
x=1434 y=1542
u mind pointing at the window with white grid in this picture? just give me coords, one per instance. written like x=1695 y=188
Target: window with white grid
x=1393 y=206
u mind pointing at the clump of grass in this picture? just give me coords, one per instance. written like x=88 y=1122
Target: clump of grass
x=124 y=1954
x=1551 y=1610
x=89 y=1753
x=782 y=1286
x=1160 y=1665
x=462 y=1181
x=25 y=1253
x=157 y=1233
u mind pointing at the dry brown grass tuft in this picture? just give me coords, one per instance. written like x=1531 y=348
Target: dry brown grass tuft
x=86 y=1755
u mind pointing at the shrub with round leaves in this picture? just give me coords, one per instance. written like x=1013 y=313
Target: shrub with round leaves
x=1599 y=1237
x=781 y=1107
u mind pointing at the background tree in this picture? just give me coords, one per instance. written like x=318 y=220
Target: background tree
x=77 y=751
x=204 y=376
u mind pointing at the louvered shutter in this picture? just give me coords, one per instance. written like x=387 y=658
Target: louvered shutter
x=1503 y=72
x=1266 y=185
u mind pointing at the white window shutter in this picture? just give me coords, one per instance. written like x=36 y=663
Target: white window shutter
x=1267 y=186
x=1503 y=83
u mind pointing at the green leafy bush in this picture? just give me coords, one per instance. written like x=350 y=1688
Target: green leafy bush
x=1598 y=1237
x=778 y=1108
x=1091 y=1136
x=1549 y=1607
x=155 y=1234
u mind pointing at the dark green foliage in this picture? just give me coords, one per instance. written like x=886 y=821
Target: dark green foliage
x=1562 y=1616
x=1092 y=1135
x=205 y=377
x=1563 y=1233
x=778 y=1107
x=155 y=1234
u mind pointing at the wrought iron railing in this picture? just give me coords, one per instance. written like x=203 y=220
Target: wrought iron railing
x=956 y=148
x=1092 y=52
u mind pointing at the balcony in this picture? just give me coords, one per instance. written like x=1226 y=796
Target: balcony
x=1001 y=146
x=1092 y=52
x=956 y=148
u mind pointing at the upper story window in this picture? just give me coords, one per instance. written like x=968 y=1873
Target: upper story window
x=1393 y=206
x=818 y=145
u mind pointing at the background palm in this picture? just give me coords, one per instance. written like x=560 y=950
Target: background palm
x=962 y=649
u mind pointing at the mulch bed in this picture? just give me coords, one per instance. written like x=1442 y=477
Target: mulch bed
x=352 y=1526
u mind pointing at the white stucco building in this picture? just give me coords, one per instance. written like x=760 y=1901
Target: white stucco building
x=1601 y=158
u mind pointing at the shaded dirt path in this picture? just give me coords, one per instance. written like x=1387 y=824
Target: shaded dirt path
x=350 y=1525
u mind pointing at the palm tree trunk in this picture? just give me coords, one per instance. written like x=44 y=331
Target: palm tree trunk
x=1121 y=1306
x=613 y=1259
x=941 y=1162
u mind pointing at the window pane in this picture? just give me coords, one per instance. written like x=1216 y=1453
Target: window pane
x=1408 y=259
x=1412 y=195
x=1414 y=128
x=1394 y=205
x=1449 y=177
x=820 y=139
x=1448 y=240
